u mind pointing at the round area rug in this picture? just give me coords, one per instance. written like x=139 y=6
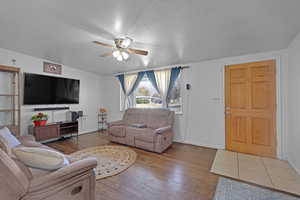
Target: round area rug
x=112 y=159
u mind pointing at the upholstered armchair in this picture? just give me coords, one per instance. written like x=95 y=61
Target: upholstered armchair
x=19 y=182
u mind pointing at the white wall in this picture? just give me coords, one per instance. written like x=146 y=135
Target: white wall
x=294 y=103
x=90 y=91
x=202 y=122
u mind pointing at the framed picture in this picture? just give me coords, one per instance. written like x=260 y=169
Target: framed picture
x=52 y=68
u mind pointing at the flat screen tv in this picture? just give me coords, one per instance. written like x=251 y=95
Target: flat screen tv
x=40 y=89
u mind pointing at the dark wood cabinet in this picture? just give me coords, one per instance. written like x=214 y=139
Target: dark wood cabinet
x=46 y=132
x=54 y=130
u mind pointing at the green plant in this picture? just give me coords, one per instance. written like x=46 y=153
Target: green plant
x=39 y=117
x=142 y=101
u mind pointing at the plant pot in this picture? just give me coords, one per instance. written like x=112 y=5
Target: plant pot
x=43 y=122
x=40 y=123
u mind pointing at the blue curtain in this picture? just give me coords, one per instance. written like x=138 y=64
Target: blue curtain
x=128 y=100
x=174 y=75
x=121 y=79
x=137 y=82
x=151 y=77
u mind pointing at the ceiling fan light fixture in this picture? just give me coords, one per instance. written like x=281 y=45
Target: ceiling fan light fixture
x=116 y=53
x=120 y=58
x=125 y=55
x=126 y=42
x=121 y=50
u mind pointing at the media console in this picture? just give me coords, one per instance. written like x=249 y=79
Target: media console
x=53 y=131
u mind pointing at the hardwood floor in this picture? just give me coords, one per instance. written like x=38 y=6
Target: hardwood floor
x=180 y=173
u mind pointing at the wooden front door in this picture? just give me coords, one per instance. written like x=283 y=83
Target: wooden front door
x=250 y=108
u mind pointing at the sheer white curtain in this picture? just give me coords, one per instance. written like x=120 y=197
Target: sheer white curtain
x=129 y=81
x=163 y=82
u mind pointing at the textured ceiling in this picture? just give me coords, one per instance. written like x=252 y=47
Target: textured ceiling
x=174 y=31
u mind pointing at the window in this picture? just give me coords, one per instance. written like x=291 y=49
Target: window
x=146 y=96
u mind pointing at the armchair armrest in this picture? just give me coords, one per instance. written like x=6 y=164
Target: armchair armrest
x=75 y=169
x=162 y=129
x=116 y=123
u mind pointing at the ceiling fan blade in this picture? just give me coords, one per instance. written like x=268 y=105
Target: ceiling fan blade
x=103 y=44
x=106 y=54
x=137 y=51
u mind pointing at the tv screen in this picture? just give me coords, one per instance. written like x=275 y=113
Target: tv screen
x=40 y=89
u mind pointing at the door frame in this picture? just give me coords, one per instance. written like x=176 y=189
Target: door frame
x=280 y=97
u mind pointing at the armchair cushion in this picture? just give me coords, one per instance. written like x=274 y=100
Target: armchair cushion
x=40 y=158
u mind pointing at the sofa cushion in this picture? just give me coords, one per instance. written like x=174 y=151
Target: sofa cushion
x=146 y=137
x=137 y=131
x=40 y=158
x=131 y=117
x=117 y=131
x=144 y=145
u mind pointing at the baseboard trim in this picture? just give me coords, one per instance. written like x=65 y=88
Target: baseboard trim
x=293 y=165
x=212 y=146
x=88 y=131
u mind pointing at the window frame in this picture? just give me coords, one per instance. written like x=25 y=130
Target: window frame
x=180 y=112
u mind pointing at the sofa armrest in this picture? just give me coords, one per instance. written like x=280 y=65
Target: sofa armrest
x=58 y=177
x=162 y=129
x=116 y=123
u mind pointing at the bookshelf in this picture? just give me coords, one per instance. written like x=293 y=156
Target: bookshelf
x=10 y=106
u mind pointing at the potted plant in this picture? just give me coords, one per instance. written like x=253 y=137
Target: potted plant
x=40 y=119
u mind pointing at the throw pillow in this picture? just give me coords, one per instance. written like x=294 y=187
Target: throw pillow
x=10 y=139
x=41 y=158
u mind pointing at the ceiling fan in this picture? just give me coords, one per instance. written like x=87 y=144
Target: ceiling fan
x=121 y=50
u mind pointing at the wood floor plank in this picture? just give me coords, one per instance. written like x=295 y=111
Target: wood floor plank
x=180 y=173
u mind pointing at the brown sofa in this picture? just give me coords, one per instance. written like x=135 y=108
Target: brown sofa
x=18 y=182
x=149 y=129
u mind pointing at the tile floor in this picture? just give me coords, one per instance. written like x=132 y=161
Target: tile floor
x=267 y=172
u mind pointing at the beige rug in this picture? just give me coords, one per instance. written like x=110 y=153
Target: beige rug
x=112 y=159
x=266 y=172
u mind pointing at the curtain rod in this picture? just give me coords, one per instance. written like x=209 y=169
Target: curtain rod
x=148 y=69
